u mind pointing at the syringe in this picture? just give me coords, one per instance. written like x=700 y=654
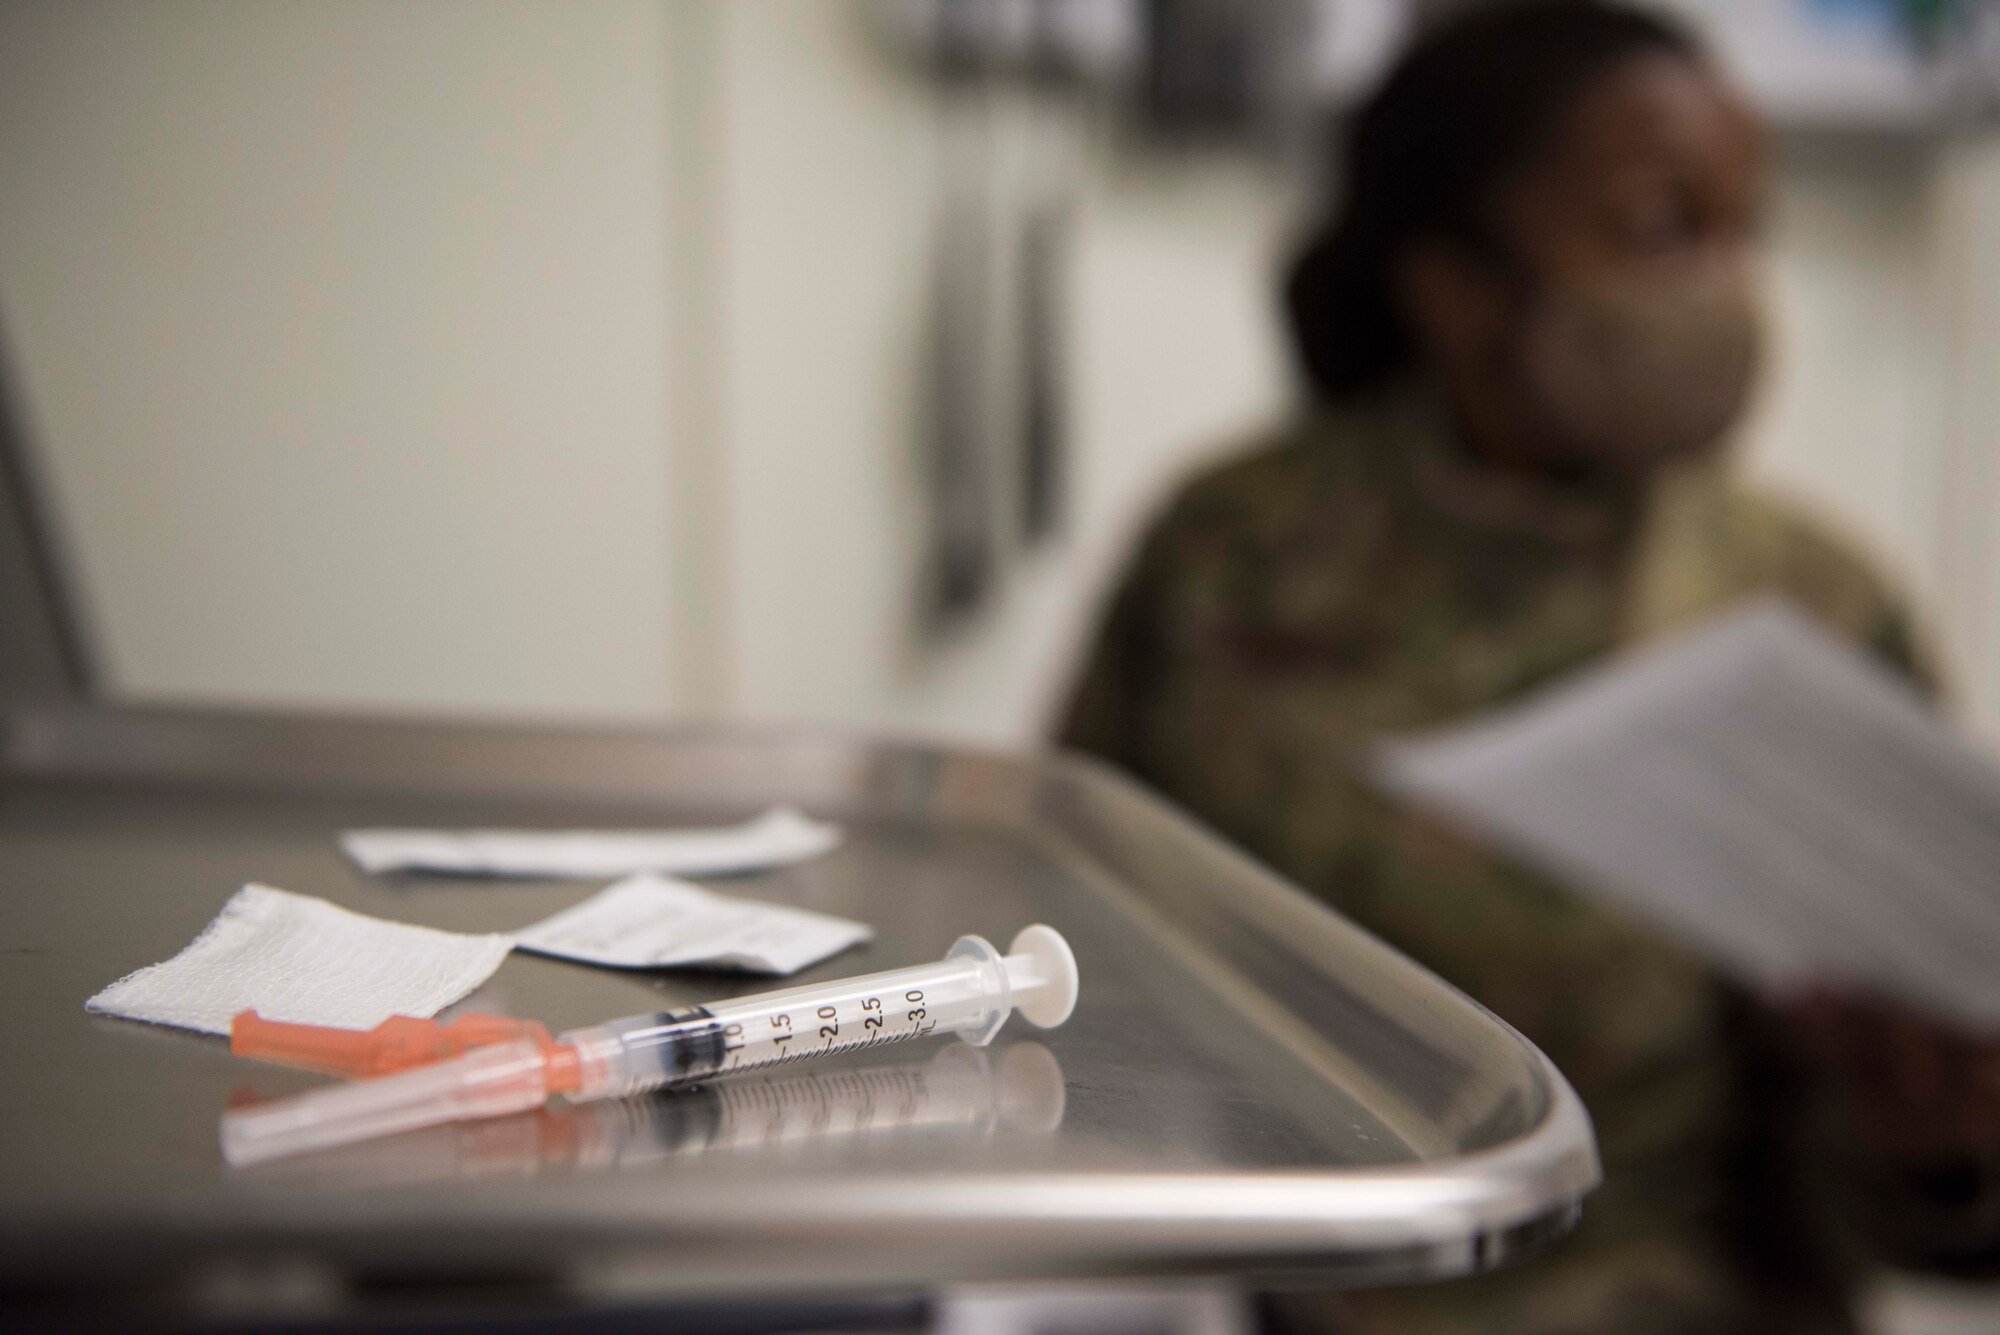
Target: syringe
x=970 y=992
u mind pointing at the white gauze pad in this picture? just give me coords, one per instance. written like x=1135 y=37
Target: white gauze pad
x=302 y=960
x=778 y=838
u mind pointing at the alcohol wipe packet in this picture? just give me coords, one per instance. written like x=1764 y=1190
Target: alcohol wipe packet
x=657 y=922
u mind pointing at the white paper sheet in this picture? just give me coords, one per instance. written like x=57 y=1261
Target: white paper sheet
x=651 y=922
x=1759 y=789
x=779 y=837
x=294 y=958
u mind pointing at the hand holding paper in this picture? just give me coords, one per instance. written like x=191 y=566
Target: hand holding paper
x=1760 y=790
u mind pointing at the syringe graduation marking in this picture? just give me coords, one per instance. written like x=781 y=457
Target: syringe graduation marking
x=873 y=1013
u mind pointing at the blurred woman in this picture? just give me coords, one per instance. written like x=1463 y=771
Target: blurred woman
x=1528 y=327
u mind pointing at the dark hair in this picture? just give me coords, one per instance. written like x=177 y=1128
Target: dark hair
x=1467 y=105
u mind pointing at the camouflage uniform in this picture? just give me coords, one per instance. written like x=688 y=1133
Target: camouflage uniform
x=1359 y=576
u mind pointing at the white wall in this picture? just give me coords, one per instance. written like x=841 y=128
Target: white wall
x=1883 y=412
x=343 y=328
x=1965 y=282
x=553 y=359
x=1176 y=358
x=826 y=197
x=1852 y=418
x=836 y=163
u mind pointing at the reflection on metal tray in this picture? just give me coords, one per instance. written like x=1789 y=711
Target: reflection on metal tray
x=1250 y=1085
x=854 y=1112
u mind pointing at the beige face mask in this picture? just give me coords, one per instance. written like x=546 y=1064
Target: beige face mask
x=1638 y=373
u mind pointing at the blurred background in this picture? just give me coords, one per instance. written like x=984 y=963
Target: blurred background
x=816 y=360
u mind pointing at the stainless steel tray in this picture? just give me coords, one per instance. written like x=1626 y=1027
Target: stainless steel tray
x=1250 y=1085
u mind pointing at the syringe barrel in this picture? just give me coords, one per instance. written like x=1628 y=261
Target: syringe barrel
x=966 y=993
